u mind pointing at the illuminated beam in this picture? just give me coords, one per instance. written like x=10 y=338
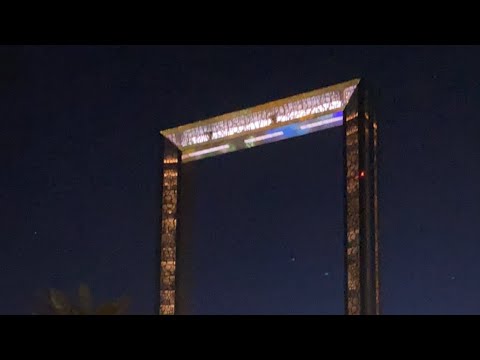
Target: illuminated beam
x=206 y=151
x=262 y=118
x=322 y=123
x=276 y=121
x=263 y=137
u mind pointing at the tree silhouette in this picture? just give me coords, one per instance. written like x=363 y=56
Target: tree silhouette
x=57 y=303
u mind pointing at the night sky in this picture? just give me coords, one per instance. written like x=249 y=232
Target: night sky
x=80 y=179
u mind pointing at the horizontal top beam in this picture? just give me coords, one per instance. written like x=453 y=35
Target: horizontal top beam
x=219 y=130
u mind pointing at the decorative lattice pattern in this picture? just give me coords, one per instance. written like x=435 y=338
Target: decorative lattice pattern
x=281 y=112
x=263 y=116
x=375 y=185
x=352 y=212
x=169 y=230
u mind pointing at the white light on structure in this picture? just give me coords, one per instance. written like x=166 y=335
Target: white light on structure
x=263 y=137
x=262 y=117
x=321 y=123
x=199 y=139
x=206 y=151
x=255 y=125
x=305 y=112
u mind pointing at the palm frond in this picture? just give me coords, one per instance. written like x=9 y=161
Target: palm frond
x=85 y=299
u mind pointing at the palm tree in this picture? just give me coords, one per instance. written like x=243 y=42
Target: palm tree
x=57 y=303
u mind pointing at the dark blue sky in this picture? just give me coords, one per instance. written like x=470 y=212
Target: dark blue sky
x=80 y=180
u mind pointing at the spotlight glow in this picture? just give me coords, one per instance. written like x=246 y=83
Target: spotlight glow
x=263 y=137
x=322 y=122
x=206 y=151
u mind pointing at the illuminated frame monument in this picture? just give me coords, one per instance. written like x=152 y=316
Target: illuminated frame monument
x=347 y=104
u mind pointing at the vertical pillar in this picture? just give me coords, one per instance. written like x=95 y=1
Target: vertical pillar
x=374 y=145
x=362 y=287
x=168 y=241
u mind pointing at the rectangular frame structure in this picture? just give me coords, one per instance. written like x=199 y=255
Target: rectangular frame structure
x=348 y=104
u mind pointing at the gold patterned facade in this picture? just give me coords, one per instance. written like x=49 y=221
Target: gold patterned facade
x=171 y=169
x=361 y=209
x=352 y=173
x=265 y=122
x=221 y=133
x=375 y=192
